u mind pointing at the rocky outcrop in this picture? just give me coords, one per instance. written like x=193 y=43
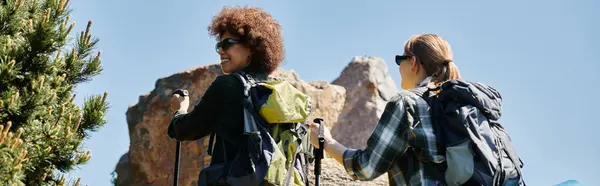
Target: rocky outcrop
x=351 y=104
x=151 y=152
x=123 y=169
x=369 y=86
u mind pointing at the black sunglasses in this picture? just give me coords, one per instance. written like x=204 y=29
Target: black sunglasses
x=400 y=58
x=225 y=44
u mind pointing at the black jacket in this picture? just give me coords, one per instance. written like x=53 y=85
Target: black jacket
x=220 y=110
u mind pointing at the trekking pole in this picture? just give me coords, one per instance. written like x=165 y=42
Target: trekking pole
x=182 y=93
x=178 y=149
x=319 y=151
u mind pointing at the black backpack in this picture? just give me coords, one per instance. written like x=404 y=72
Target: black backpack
x=477 y=148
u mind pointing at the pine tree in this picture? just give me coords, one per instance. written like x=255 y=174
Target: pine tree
x=41 y=128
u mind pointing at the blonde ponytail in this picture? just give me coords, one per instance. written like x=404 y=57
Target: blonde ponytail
x=435 y=54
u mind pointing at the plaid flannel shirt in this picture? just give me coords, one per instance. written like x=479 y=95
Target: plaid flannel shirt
x=404 y=124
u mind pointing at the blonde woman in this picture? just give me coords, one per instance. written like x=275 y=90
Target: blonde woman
x=404 y=144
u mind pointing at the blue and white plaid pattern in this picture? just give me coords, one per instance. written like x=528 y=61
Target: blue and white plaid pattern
x=404 y=125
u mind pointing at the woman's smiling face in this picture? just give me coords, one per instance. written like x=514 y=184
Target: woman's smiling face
x=234 y=55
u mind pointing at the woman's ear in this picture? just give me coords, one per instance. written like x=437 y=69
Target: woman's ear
x=414 y=66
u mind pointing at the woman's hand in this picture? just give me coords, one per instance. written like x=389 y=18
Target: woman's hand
x=314 y=135
x=179 y=103
x=331 y=146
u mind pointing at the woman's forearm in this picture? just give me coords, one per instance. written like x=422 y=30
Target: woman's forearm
x=335 y=150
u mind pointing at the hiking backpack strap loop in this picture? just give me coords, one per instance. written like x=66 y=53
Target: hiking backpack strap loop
x=517 y=162
x=298 y=129
x=210 y=144
x=288 y=174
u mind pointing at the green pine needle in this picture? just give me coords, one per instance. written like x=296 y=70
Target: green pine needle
x=39 y=70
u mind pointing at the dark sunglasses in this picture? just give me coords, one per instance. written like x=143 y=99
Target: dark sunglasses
x=400 y=58
x=225 y=44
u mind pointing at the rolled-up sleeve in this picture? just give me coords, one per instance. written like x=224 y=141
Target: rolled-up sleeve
x=389 y=139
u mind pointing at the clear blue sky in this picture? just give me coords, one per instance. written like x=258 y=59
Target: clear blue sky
x=541 y=55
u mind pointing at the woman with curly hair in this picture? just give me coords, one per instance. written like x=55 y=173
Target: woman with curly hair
x=249 y=41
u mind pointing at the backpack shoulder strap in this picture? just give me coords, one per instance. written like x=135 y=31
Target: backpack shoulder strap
x=250 y=126
x=434 y=169
x=249 y=122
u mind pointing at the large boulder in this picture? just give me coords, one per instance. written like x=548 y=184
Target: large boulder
x=151 y=152
x=351 y=105
x=369 y=86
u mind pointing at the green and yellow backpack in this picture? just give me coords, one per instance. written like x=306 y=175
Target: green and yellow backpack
x=278 y=149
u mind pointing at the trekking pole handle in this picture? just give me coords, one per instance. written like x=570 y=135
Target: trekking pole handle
x=181 y=92
x=319 y=151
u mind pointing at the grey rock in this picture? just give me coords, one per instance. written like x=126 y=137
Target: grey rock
x=368 y=86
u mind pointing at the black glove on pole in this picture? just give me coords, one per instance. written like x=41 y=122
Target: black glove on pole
x=319 y=151
x=182 y=93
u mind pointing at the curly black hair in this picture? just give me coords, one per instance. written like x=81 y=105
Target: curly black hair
x=257 y=30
